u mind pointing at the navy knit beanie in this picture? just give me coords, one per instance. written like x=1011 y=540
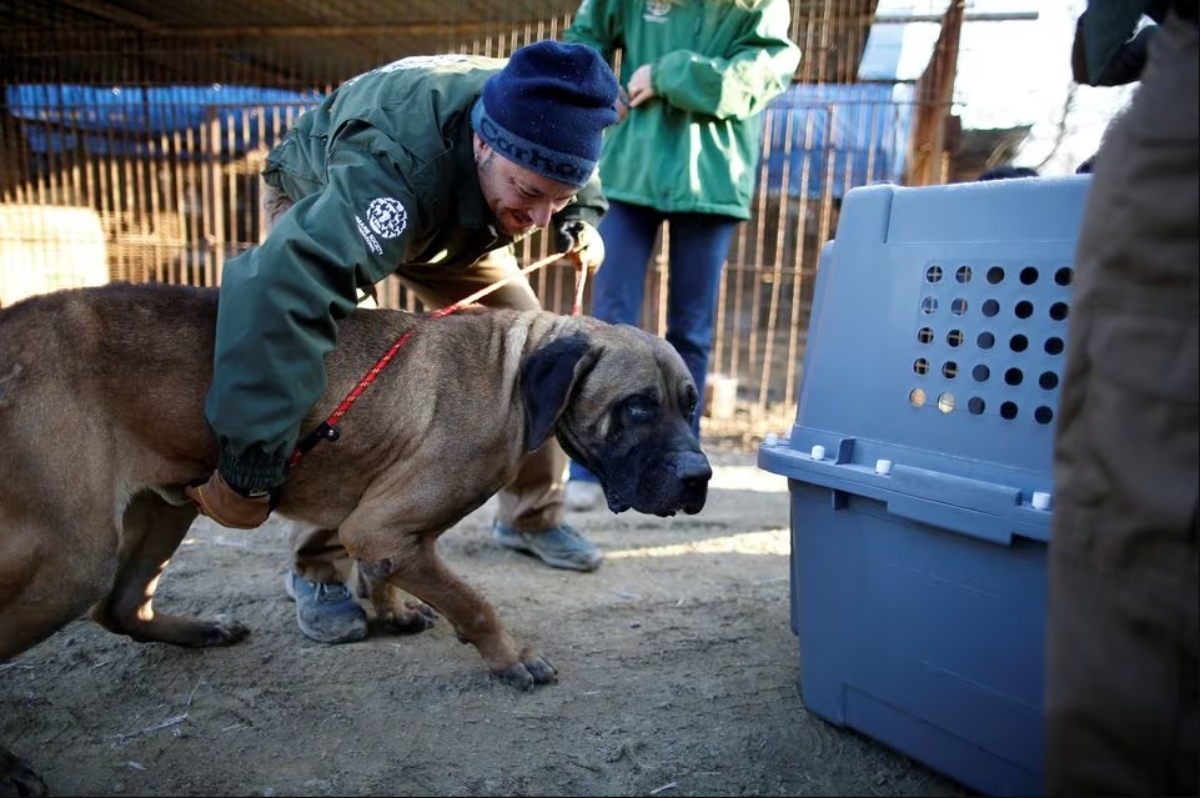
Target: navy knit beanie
x=547 y=110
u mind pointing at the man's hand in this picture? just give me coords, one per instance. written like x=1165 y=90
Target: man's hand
x=582 y=243
x=220 y=502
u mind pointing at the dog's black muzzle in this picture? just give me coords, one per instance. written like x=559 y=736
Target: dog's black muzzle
x=676 y=481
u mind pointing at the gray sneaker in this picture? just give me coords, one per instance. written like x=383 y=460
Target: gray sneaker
x=559 y=547
x=326 y=612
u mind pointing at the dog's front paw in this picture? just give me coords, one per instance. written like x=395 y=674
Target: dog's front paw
x=532 y=670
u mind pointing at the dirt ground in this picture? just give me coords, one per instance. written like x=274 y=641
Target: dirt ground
x=678 y=676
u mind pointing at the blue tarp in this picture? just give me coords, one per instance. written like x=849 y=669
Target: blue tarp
x=131 y=121
x=845 y=135
x=860 y=132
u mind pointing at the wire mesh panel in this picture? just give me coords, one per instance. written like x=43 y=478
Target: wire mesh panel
x=158 y=117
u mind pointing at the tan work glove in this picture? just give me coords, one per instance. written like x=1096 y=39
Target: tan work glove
x=220 y=502
x=582 y=243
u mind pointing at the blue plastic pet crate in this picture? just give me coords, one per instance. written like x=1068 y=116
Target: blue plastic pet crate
x=920 y=470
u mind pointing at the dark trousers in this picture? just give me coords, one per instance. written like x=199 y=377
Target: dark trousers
x=1124 y=620
x=696 y=252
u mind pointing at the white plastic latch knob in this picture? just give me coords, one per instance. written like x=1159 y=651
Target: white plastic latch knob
x=1041 y=500
x=883 y=467
x=818 y=452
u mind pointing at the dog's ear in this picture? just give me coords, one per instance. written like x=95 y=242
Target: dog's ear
x=547 y=379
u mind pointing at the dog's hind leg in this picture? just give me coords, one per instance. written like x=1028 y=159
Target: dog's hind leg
x=152 y=530
x=43 y=587
x=50 y=573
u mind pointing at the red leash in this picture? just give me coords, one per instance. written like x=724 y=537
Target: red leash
x=327 y=430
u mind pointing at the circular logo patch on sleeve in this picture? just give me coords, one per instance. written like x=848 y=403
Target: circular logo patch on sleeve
x=387 y=217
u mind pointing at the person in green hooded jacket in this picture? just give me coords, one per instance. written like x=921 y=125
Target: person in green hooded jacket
x=698 y=74
x=428 y=168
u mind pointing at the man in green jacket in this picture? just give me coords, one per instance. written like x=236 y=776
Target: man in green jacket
x=429 y=168
x=699 y=74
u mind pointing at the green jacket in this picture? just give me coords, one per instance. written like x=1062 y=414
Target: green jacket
x=716 y=65
x=383 y=174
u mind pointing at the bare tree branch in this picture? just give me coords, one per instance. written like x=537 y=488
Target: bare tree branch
x=1062 y=128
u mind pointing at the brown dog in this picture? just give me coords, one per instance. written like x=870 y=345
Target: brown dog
x=101 y=424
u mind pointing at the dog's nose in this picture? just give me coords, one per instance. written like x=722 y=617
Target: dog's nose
x=694 y=472
x=692 y=468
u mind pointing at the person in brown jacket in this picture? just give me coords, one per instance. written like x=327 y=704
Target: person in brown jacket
x=1122 y=703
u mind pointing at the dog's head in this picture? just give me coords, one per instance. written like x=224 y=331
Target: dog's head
x=620 y=401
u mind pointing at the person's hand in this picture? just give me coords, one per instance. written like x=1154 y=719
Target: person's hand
x=220 y=502
x=582 y=243
x=622 y=105
x=641 y=87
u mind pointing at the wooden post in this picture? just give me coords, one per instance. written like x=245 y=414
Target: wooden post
x=935 y=93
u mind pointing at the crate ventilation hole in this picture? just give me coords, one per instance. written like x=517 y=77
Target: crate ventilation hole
x=986 y=341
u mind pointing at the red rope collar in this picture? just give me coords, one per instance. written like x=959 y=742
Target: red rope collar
x=327 y=430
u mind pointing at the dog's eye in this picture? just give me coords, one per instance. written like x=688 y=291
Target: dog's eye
x=637 y=410
x=690 y=402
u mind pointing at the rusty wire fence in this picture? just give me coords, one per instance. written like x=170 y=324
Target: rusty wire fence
x=158 y=128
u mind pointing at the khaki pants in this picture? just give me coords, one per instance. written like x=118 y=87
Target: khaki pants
x=533 y=501
x=1121 y=676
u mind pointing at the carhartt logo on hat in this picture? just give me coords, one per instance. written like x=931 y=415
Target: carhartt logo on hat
x=548 y=108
